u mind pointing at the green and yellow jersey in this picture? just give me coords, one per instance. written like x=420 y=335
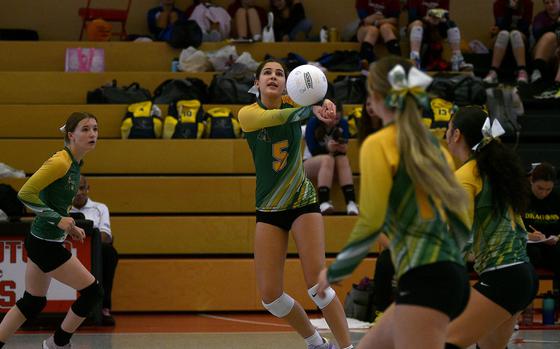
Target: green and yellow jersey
x=49 y=193
x=274 y=137
x=421 y=230
x=499 y=238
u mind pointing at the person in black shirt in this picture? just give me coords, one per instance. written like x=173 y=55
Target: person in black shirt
x=542 y=220
x=289 y=20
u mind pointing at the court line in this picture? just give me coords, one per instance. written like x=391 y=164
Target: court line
x=243 y=321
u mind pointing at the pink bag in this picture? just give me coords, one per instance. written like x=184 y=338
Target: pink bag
x=85 y=60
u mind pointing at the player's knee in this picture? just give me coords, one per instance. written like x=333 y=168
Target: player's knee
x=454 y=35
x=281 y=306
x=416 y=33
x=89 y=298
x=30 y=306
x=321 y=302
x=502 y=39
x=517 y=39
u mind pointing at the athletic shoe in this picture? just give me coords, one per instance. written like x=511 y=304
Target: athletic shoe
x=49 y=344
x=536 y=76
x=352 y=209
x=458 y=64
x=491 y=78
x=522 y=77
x=326 y=208
x=551 y=93
x=326 y=345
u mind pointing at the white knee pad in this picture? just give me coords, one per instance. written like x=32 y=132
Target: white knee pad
x=281 y=306
x=502 y=39
x=321 y=302
x=454 y=35
x=416 y=34
x=516 y=39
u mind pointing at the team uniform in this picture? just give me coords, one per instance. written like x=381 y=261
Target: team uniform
x=283 y=191
x=426 y=239
x=499 y=241
x=49 y=193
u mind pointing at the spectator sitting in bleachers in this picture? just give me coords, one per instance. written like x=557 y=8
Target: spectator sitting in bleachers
x=544 y=25
x=378 y=17
x=325 y=155
x=99 y=214
x=429 y=23
x=369 y=122
x=512 y=20
x=213 y=20
x=247 y=19
x=542 y=220
x=162 y=18
x=289 y=20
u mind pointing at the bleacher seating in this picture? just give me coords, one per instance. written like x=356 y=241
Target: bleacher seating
x=182 y=210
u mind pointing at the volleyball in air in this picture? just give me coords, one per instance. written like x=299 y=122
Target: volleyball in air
x=307 y=85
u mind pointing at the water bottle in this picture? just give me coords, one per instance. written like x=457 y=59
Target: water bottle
x=175 y=65
x=548 y=309
x=324 y=34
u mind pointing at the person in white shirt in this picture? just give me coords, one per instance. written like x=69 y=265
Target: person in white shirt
x=99 y=214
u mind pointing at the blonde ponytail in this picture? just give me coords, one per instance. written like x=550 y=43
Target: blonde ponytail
x=423 y=160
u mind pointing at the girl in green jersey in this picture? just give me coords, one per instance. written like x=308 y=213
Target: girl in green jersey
x=49 y=193
x=286 y=201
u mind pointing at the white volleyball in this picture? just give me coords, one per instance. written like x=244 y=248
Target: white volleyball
x=307 y=85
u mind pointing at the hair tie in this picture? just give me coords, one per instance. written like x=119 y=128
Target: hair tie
x=62 y=128
x=491 y=130
x=401 y=85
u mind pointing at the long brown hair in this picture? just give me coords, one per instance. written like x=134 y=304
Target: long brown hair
x=422 y=159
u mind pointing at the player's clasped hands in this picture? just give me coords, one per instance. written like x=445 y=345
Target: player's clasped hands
x=326 y=112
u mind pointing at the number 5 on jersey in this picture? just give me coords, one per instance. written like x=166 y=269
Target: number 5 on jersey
x=280 y=154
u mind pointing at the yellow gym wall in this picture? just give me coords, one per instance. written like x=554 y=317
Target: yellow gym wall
x=58 y=19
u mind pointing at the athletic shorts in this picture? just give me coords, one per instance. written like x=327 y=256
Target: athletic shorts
x=441 y=28
x=48 y=255
x=285 y=219
x=443 y=286
x=512 y=288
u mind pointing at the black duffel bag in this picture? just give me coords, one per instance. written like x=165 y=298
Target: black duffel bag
x=112 y=94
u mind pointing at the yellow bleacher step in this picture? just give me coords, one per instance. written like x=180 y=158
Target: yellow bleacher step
x=72 y=88
x=139 y=56
x=43 y=121
x=151 y=156
x=151 y=235
x=207 y=284
x=175 y=194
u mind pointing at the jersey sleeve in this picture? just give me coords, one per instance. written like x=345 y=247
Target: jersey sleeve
x=53 y=169
x=376 y=181
x=253 y=117
x=472 y=185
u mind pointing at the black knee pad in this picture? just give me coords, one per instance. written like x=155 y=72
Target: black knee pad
x=30 y=306
x=89 y=297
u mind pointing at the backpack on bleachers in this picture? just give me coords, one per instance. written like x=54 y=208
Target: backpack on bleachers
x=460 y=89
x=142 y=120
x=112 y=94
x=354 y=121
x=220 y=123
x=185 y=119
x=232 y=86
x=350 y=89
x=505 y=105
x=346 y=61
x=173 y=90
